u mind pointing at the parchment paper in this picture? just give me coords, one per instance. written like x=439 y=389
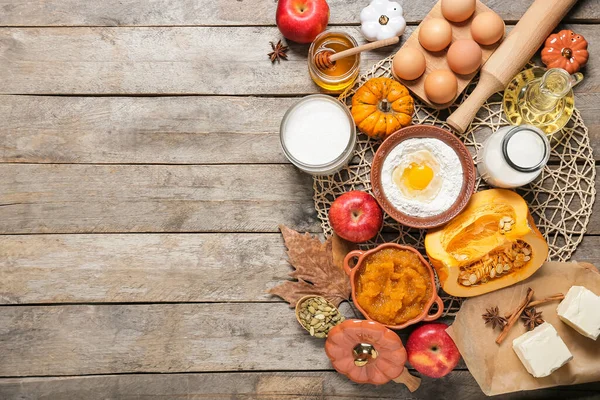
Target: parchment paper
x=496 y=368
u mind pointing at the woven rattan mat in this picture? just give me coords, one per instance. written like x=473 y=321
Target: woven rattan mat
x=560 y=200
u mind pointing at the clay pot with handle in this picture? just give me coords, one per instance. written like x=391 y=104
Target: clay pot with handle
x=353 y=273
x=368 y=352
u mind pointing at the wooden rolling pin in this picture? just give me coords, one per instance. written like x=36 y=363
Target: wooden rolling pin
x=512 y=55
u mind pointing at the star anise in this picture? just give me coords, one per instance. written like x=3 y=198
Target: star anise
x=279 y=52
x=531 y=318
x=492 y=316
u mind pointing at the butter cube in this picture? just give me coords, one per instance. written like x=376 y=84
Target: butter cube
x=542 y=351
x=580 y=309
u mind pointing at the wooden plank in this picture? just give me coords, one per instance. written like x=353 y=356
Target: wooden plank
x=205 y=60
x=588 y=250
x=157 y=268
x=77 y=198
x=219 y=12
x=323 y=385
x=140 y=268
x=106 y=339
x=162 y=130
x=155 y=61
x=38 y=198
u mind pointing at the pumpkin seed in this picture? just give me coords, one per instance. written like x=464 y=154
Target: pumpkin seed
x=492 y=266
x=318 y=316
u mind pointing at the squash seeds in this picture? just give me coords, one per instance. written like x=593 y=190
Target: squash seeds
x=497 y=264
x=318 y=316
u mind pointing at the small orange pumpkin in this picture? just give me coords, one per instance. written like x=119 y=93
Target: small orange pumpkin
x=365 y=351
x=566 y=50
x=382 y=106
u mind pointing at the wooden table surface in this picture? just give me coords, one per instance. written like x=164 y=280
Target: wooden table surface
x=141 y=186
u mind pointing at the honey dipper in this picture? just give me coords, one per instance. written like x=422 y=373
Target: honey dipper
x=326 y=58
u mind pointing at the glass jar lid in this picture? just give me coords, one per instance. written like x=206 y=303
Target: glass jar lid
x=526 y=148
x=318 y=134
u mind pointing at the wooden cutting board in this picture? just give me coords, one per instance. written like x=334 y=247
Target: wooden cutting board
x=437 y=60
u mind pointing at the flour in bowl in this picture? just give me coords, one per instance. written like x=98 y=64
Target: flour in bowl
x=422 y=177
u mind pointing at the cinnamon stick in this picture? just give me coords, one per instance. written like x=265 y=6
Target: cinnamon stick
x=515 y=316
x=554 y=297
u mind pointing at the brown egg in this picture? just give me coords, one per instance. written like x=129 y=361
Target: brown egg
x=464 y=56
x=458 y=10
x=441 y=86
x=435 y=34
x=408 y=64
x=487 y=28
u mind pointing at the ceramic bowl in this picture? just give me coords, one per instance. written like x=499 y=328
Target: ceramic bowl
x=424 y=131
x=353 y=274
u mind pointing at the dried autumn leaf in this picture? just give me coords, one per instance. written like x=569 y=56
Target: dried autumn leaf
x=315 y=270
x=340 y=248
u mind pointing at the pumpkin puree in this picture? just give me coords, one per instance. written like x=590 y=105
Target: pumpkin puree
x=393 y=286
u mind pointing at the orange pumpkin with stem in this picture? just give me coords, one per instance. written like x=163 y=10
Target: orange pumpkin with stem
x=368 y=352
x=566 y=50
x=382 y=106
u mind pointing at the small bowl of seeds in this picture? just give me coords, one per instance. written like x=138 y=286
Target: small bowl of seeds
x=317 y=315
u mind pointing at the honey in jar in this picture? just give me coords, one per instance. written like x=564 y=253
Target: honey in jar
x=344 y=71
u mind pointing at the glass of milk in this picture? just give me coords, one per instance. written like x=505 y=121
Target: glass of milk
x=513 y=156
x=318 y=135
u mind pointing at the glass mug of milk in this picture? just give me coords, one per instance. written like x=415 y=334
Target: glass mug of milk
x=318 y=135
x=513 y=156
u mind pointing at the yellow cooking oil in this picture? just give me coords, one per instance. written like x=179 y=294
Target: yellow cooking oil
x=542 y=98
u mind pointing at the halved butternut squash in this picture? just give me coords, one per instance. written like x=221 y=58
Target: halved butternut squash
x=492 y=244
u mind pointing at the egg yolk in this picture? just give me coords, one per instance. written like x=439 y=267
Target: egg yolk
x=416 y=176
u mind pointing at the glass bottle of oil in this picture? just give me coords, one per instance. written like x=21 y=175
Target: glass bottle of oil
x=344 y=71
x=542 y=98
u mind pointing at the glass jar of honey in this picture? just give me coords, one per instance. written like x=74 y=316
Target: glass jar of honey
x=344 y=71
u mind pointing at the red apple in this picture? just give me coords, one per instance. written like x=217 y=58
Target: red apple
x=302 y=20
x=356 y=216
x=431 y=351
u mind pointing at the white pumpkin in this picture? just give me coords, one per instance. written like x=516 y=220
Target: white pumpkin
x=382 y=19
